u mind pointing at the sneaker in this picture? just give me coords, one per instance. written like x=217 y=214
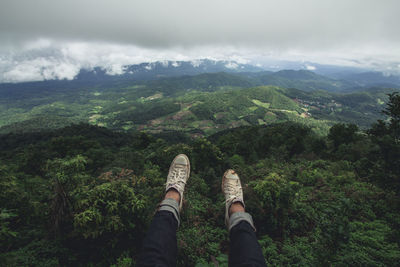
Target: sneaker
x=232 y=189
x=178 y=175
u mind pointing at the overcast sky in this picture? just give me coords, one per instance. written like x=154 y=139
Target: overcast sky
x=54 y=39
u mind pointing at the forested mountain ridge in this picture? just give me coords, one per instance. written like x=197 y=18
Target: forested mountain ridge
x=373 y=79
x=162 y=69
x=200 y=104
x=84 y=195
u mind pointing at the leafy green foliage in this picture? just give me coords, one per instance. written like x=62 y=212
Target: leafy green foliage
x=369 y=245
x=386 y=155
x=342 y=134
x=85 y=195
x=95 y=217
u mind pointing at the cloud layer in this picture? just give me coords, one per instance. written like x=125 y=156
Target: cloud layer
x=49 y=59
x=46 y=38
x=160 y=23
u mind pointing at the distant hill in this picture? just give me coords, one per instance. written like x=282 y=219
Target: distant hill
x=155 y=70
x=37 y=124
x=300 y=79
x=324 y=77
x=373 y=79
x=304 y=80
x=241 y=75
x=203 y=82
x=199 y=104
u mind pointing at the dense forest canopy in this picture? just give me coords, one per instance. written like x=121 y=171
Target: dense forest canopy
x=84 y=195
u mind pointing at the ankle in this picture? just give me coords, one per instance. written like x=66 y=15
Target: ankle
x=173 y=193
x=236 y=207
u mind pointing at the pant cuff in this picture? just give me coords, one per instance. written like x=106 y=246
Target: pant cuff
x=237 y=217
x=171 y=205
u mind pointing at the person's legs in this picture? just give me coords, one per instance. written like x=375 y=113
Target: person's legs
x=244 y=247
x=160 y=244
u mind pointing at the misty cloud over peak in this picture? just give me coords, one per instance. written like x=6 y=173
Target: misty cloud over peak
x=47 y=59
x=54 y=39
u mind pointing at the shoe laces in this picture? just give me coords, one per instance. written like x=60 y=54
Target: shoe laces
x=177 y=177
x=232 y=190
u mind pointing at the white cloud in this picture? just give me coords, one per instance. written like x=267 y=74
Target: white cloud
x=165 y=63
x=231 y=65
x=309 y=67
x=37 y=69
x=115 y=69
x=51 y=59
x=164 y=24
x=65 y=35
x=23 y=72
x=196 y=62
x=175 y=64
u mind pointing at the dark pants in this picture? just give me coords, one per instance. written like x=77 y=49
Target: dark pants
x=160 y=245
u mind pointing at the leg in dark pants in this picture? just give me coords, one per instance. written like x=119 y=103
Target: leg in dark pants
x=244 y=247
x=160 y=245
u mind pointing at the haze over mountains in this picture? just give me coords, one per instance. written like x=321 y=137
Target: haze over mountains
x=346 y=78
x=154 y=70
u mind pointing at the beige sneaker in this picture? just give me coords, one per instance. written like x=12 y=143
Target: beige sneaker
x=178 y=175
x=232 y=189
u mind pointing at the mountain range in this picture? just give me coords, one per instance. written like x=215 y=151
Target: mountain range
x=162 y=69
x=331 y=78
x=159 y=97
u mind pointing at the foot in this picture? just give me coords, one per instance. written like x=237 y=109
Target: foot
x=236 y=207
x=172 y=193
x=178 y=175
x=232 y=189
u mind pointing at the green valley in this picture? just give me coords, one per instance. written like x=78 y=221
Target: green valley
x=200 y=105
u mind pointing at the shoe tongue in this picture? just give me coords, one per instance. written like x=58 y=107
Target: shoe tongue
x=232 y=176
